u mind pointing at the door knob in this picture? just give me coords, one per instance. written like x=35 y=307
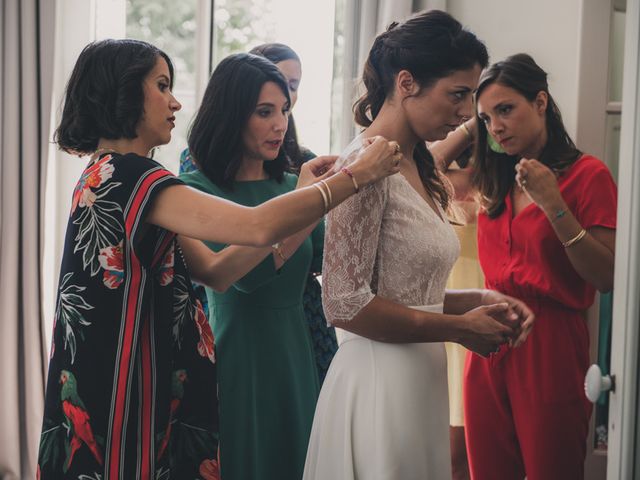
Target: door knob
x=595 y=383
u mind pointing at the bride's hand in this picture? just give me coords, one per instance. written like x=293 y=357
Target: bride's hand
x=378 y=159
x=487 y=328
x=316 y=169
x=518 y=310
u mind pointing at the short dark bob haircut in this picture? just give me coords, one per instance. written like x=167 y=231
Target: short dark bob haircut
x=494 y=173
x=215 y=136
x=105 y=94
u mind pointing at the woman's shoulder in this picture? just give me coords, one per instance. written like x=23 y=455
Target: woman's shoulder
x=199 y=180
x=587 y=167
x=125 y=167
x=131 y=162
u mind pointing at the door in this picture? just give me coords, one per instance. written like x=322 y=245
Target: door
x=624 y=421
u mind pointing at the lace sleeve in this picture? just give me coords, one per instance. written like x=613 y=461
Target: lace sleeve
x=351 y=244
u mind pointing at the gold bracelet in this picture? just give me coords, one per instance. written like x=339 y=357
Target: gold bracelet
x=277 y=247
x=575 y=239
x=324 y=197
x=324 y=182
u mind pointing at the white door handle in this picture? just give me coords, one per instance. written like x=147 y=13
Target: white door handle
x=595 y=383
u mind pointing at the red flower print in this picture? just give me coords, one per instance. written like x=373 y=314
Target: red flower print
x=209 y=470
x=111 y=259
x=166 y=268
x=92 y=177
x=205 y=345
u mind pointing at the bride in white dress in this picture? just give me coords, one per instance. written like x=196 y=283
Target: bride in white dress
x=383 y=409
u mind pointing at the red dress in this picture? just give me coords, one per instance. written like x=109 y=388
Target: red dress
x=525 y=408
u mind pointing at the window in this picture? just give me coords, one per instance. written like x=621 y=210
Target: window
x=307 y=26
x=172 y=27
x=182 y=29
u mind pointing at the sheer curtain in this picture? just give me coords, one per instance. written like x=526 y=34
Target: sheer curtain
x=26 y=52
x=364 y=20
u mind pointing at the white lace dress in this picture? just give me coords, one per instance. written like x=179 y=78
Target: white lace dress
x=383 y=411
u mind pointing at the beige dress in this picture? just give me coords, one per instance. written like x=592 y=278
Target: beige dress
x=383 y=411
x=466 y=273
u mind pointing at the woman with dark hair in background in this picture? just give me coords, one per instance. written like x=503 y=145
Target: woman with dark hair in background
x=268 y=385
x=383 y=410
x=131 y=391
x=546 y=235
x=323 y=337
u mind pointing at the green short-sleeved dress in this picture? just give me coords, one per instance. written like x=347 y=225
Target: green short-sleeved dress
x=268 y=384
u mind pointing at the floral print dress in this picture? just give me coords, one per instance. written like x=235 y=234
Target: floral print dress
x=131 y=390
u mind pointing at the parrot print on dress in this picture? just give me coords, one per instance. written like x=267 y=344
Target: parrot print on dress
x=76 y=413
x=177 y=394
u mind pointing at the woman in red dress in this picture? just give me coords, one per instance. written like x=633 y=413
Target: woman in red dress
x=546 y=235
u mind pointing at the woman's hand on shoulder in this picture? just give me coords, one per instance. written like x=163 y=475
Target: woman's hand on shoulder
x=378 y=159
x=316 y=169
x=538 y=182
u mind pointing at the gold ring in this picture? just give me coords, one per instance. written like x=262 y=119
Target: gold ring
x=397 y=147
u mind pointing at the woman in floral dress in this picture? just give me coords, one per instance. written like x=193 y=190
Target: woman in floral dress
x=131 y=392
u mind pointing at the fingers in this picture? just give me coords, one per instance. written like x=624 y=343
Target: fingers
x=378 y=139
x=495 y=308
x=527 y=326
x=521 y=174
x=322 y=164
x=389 y=150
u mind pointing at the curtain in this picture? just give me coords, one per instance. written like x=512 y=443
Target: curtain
x=26 y=75
x=364 y=20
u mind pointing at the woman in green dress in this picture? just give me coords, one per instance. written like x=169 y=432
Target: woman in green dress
x=323 y=336
x=268 y=385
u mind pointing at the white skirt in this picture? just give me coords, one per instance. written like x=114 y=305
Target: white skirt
x=383 y=413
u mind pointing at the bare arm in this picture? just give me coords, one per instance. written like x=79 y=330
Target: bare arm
x=386 y=321
x=593 y=256
x=446 y=151
x=220 y=270
x=187 y=212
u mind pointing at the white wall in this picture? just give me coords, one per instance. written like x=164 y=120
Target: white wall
x=569 y=39
x=546 y=29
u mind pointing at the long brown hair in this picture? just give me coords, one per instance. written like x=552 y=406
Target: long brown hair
x=430 y=45
x=276 y=53
x=494 y=173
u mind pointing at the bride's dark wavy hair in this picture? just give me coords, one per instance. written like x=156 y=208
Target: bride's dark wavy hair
x=430 y=45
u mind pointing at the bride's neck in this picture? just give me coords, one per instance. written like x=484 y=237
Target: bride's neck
x=392 y=124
